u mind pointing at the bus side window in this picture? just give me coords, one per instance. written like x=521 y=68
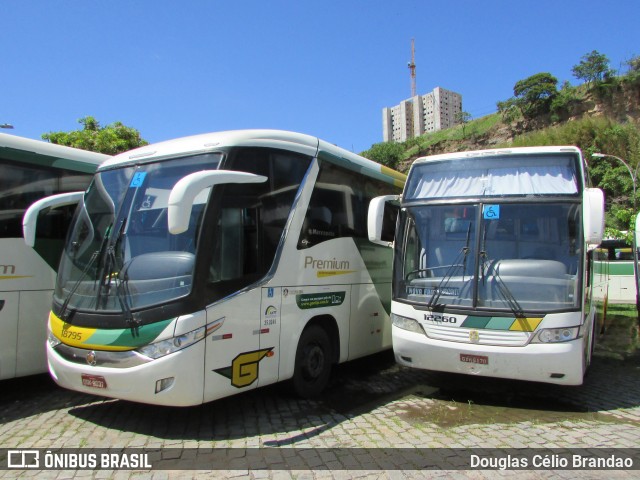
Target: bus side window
x=21 y=185
x=338 y=206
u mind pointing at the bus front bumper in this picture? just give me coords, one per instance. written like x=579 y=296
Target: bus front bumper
x=560 y=363
x=174 y=380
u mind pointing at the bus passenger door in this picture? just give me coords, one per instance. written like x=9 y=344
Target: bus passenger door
x=269 y=328
x=233 y=346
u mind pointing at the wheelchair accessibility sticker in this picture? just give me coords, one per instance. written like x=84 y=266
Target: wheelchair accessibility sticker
x=491 y=212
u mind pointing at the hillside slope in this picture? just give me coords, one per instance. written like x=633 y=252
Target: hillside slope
x=618 y=105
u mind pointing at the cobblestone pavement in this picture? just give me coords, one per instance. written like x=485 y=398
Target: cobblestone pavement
x=371 y=404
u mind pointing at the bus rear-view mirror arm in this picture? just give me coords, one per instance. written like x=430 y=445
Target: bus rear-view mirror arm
x=593 y=217
x=187 y=189
x=381 y=219
x=30 y=219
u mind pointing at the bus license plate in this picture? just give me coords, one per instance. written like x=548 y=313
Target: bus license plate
x=93 y=381
x=479 y=359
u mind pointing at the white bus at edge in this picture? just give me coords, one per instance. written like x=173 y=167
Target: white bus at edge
x=29 y=170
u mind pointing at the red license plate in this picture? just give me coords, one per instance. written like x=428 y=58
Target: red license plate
x=93 y=381
x=479 y=359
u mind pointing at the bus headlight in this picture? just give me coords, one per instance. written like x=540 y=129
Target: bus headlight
x=406 y=323
x=53 y=340
x=556 y=335
x=171 y=345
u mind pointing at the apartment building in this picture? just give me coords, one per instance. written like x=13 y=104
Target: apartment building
x=421 y=114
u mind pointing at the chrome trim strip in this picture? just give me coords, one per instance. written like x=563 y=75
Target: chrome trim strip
x=101 y=358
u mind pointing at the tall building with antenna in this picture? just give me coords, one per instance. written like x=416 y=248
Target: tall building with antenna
x=420 y=114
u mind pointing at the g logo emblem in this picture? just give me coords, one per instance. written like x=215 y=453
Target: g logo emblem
x=474 y=336
x=244 y=369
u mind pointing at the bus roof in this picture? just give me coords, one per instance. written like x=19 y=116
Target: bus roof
x=498 y=152
x=37 y=152
x=297 y=142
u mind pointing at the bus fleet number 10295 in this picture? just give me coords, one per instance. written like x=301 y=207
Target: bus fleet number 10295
x=205 y=266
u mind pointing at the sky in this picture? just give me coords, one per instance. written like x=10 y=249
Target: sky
x=326 y=68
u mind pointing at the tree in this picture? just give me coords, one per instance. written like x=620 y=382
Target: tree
x=593 y=68
x=633 y=74
x=386 y=153
x=563 y=103
x=534 y=94
x=462 y=118
x=634 y=63
x=113 y=139
x=509 y=110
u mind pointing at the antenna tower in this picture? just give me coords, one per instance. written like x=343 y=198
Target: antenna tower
x=412 y=68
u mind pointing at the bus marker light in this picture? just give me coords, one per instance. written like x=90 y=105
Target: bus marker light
x=164 y=383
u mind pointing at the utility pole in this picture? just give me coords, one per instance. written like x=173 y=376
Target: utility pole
x=412 y=68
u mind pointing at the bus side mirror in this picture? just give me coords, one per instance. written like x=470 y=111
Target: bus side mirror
x=30 y=218
x=381 y=219
x=187 y=189
x=593 y=217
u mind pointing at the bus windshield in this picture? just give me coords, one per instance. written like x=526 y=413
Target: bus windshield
x=518 y=257
x=120 y=254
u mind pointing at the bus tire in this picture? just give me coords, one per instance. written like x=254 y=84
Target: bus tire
x=313 y=362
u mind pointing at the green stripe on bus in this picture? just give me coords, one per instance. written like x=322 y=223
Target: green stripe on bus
x=129 y=337
x=476 y=322
x=500 y=323
x=613 y=268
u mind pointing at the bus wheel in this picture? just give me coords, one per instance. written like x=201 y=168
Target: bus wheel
x=313 y=362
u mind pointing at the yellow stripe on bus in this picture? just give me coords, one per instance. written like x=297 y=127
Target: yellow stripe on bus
x=525 y=324
x=77 y=336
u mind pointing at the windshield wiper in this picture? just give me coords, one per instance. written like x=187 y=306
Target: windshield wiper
x=94 y=256
x=507 y=296
x=65 y=304
x=108 y=277
x=458 y=262
x=504 y=291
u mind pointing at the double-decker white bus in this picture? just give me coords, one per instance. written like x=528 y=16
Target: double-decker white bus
x=30 y=170
x=492 y=264
x=210 y=265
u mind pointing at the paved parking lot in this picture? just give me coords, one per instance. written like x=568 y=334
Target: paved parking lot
x=373 y=417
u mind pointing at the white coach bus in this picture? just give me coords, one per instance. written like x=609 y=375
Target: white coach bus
x=30 y=170
x=210 y=265
x=492 y=264
x=614 y=272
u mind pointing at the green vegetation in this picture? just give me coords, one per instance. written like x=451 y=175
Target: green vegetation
x=533 y=95
x=593 y=68
x=113 y=139
x=599 y=134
